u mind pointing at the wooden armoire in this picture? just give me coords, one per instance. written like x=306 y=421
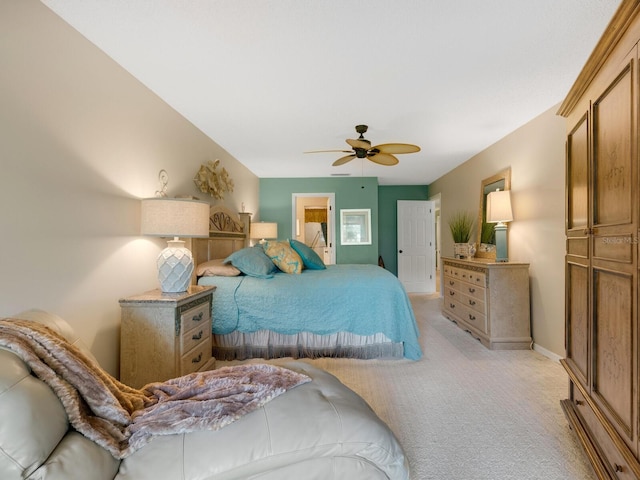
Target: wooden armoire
x=601 y=270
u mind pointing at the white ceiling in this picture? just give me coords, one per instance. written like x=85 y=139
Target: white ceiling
x=270 y=79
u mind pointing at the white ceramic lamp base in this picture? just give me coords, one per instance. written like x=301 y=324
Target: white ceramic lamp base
x=175 y=266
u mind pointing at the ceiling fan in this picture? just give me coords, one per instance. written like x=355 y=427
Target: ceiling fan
x=383 y=154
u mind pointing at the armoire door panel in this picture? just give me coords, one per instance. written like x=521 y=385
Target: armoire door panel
x=613 y=169
x=577 y=175
x=613 y=385
x=578 y=246
x=614 y=247
x=577 y=318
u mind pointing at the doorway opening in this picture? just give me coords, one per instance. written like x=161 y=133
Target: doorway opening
x=313 y=223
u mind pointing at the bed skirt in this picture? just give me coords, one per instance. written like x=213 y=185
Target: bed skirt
x=267 y=344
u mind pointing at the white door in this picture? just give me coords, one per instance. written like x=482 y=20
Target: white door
x=416 y=246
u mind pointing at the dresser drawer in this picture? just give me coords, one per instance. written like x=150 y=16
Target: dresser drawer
x=472 y=317
x=196 y=358
x=473 y=302
x=465 y=313
x=194 y=317
x=474 y=291
x=448 y=270
x=614 y=459
x=473 y=277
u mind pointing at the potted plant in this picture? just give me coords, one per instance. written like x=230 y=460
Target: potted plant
x=461 y=224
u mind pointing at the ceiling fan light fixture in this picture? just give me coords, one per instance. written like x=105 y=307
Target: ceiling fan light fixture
x=382 y=154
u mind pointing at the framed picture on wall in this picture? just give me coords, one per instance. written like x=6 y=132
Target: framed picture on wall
x=355 y=226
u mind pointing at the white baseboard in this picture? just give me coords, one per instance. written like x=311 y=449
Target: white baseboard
x=547 y=353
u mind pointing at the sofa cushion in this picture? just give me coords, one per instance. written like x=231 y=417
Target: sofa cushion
x=26 y=405
x=78 y=457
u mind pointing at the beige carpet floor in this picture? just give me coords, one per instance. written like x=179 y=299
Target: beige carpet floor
x=468 y=413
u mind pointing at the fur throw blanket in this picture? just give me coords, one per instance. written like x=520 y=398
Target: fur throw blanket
x=122 y=419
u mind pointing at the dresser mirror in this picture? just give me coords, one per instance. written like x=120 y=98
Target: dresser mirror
x=486 y=236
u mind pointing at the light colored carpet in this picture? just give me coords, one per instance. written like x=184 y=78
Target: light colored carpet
x=468 y=413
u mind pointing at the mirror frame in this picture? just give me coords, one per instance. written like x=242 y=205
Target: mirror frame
x=501 y=175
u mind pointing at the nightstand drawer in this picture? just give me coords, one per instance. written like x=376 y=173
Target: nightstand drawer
x=196 y=358
x=195 y=317
x=190 y=339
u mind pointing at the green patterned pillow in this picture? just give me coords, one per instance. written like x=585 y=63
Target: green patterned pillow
x=283 y=256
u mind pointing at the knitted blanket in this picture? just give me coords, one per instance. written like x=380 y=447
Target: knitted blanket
x=122 y=419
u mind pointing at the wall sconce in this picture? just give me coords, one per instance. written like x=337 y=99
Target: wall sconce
x=174 y=217
x=263 y=230
x=499 y=212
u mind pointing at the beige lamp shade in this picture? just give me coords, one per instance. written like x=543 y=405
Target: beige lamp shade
x=499 y=207
x=263 y=230
x=174 y=217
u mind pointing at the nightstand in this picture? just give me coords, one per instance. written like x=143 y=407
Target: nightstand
x=165 y=335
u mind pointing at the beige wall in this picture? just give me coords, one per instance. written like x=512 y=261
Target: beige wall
x=535 y=153
x=81 y=141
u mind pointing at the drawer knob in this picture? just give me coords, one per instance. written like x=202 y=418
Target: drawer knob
x=452 y=283
x=579 y=402
x=452 y=293
x=472 y=302
x=197 y=359
x=198 y=317
x=472 y=317
x=452 y=305
x=619 y=468
x=198 y=336
x=472 y=290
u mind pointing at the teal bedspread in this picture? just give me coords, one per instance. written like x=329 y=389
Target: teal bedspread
x=362 y=299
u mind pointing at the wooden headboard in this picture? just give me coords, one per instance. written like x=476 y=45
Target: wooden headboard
x=228 y=232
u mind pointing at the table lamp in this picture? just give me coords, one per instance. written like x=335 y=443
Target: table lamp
x=499 y=212
x=174 y=217
x=263 y=230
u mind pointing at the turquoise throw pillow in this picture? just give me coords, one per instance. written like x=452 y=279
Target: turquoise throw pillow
x=252 y=261
x=310 y=258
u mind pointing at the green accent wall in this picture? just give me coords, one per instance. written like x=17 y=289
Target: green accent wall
x=364 y=192
x=275 y=206
x=388 y=197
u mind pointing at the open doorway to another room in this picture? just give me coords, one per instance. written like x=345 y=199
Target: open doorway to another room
x=314 y=223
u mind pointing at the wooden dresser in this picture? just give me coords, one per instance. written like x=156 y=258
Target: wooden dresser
x=490 y=300
x=165 y=335
x=601 y=263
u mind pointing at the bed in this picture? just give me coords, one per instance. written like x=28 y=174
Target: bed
x=355 y=311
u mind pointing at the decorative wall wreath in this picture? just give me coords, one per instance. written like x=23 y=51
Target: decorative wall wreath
x=213 y=182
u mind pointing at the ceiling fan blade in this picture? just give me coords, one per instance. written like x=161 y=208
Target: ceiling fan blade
x=397 y=148
x=383 y=159
x=359 y=143
x=325 y=151
x=343 y=160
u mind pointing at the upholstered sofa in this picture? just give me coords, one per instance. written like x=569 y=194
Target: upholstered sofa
x=318 y=430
